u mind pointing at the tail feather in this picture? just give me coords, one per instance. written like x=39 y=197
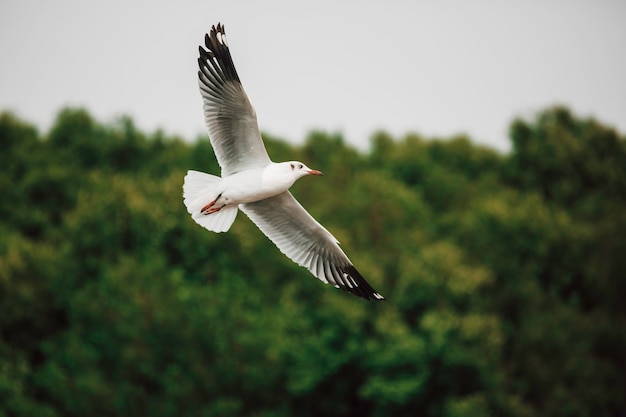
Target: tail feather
x=199 y=189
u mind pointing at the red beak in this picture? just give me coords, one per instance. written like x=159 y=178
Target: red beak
x=315 y=172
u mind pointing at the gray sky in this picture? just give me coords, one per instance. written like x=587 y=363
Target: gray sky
x=432 y=67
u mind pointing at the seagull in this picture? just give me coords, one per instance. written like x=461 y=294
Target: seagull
x=252 y=183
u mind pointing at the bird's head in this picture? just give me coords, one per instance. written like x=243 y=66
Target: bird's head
x=299 y=170
x=284 y=174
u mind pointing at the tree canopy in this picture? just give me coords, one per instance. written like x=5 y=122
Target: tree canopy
x=503 y=274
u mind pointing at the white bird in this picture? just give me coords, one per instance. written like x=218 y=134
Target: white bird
x=253 y=183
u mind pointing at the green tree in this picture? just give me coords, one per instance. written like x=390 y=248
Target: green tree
x=502 y=273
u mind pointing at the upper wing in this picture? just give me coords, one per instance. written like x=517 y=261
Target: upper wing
x=229 y=116
x=307 y=243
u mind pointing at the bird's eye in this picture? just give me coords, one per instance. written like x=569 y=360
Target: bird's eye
x=299 y=166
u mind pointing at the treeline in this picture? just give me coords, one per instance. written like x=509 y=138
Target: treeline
x=504 y=276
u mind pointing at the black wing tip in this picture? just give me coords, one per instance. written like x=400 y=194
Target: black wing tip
x=361 y=287
x=204 y=54
x=217 y=53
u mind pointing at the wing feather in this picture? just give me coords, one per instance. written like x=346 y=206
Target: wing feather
x=302 y=239
x=229 y=116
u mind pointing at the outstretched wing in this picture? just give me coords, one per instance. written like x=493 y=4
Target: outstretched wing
x=306 y=242
x=229 y=116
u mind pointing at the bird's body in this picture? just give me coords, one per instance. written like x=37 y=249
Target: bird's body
x=253 y=183
x=247 y=186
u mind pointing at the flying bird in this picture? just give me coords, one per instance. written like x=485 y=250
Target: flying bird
x=250 y=181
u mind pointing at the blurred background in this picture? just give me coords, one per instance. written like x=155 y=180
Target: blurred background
x=475 y=167
x=438 y=68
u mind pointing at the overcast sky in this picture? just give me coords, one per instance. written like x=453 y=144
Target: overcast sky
x=433 y=67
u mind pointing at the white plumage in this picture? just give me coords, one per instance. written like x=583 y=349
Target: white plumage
x=253 y=183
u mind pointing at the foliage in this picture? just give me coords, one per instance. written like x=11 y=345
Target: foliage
x=503 y=275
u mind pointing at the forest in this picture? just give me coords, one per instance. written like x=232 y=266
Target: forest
x=503 y=273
